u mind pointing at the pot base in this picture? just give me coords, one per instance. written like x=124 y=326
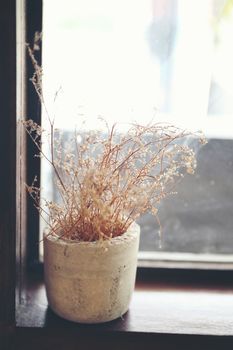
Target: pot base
x=91 y=282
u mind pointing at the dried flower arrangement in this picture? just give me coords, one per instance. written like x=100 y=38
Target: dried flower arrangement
x=108 y=180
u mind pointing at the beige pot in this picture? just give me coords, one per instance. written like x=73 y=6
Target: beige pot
x=91 y=282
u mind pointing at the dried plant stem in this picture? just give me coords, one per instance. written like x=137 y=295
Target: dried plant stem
x=108 y=180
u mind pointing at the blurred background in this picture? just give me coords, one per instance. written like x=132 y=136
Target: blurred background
x=170 y=60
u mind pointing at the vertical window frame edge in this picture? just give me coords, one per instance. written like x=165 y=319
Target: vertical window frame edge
x=8 y=169
x=33 y=108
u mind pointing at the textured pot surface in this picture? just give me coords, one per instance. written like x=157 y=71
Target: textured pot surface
x=91 y=282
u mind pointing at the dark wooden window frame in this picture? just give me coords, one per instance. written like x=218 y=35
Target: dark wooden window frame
x=37 y=327
x=7 y=169
x=33 y=23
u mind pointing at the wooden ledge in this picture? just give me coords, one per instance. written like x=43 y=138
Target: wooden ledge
x=157 y=307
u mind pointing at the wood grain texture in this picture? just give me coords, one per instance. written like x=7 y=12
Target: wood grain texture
x=7 y=161
x=71 y=339
x=162 y=315
x=166 y=308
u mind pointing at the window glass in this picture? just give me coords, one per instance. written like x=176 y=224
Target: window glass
x=135 y=60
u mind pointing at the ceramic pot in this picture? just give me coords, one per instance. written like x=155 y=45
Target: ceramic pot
x=91 y=282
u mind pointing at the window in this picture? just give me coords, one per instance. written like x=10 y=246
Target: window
x=128 y=59
x=34 y=325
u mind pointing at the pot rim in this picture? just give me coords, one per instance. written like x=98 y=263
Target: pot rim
x=132 y=232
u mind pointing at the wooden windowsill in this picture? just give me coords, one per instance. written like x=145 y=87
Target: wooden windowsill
x=159 y=305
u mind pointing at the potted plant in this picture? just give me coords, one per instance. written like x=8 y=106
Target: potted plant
x=106 y=181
